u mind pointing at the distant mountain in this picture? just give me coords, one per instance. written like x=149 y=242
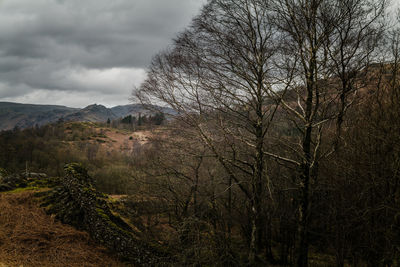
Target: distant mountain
x=28 y=115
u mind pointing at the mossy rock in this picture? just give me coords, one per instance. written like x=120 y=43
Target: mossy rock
x=24 y=180
x=13 y=181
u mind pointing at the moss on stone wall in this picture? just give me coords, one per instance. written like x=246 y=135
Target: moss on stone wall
x=75 y=201
x=20 y=181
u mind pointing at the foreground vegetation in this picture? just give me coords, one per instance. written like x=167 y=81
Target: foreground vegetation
x=30 y=237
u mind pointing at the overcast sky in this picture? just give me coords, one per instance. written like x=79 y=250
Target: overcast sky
x=80 y=52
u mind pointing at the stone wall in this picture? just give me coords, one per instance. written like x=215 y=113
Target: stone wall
x=76 y=202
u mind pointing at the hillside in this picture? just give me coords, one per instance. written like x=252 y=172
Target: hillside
x=26 y=115
x=92 y=113
x=30 y=237
x=106 y=151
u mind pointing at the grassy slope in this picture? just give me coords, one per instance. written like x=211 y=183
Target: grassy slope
x=29 y=237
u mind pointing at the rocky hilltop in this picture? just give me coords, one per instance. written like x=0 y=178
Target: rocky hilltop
x=92 y=113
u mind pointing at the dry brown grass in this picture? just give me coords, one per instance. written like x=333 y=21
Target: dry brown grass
x=30 y=237
x=120 y=140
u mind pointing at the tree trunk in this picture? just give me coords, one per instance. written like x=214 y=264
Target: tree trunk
x=258 y=224
x=304 y=206
x=302 y=247
x=253 y=238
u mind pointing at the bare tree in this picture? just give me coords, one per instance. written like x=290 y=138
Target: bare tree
x=218 y=77
x=329 y=43
x=247 y=67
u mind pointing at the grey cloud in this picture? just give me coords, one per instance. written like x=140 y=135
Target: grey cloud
x=83 y=46
x=111 y=29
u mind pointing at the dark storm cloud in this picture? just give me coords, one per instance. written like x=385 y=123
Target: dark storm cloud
x=83 y=46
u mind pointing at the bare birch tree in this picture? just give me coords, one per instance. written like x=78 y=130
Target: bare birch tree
x=218 y=77
x=329 y=43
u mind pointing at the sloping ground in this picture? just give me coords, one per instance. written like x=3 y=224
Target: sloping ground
x=109 y=139
x=29 y=237
x=125 y=141
x=27 y=115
